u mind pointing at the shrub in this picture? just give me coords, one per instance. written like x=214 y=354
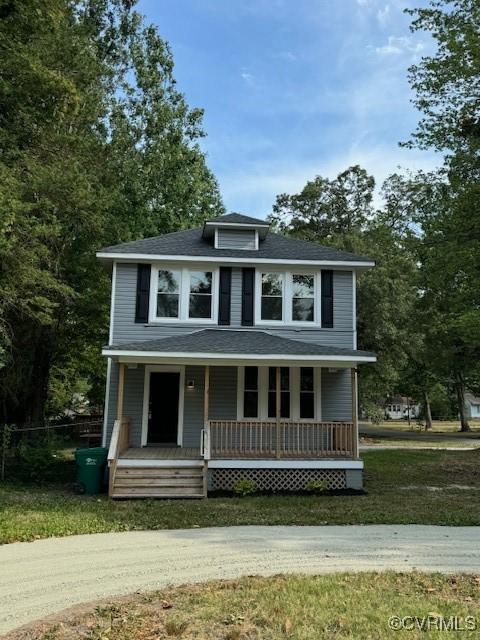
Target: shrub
x=244 y=487
x=39 y=459
x=317 y=486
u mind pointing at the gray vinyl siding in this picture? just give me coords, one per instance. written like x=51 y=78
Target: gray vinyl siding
x=336 y=393
x=236 y=239
x=223 y=400
x=126 y=330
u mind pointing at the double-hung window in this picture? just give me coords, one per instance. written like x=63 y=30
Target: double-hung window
x=168 y=293
x=303 y=298
x=200 y=302
x=284 y=392
x=250 y=393
x=287 y=297
x=183 y=294
x=307 y=392
x=272 y=296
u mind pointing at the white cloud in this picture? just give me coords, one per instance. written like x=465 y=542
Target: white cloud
x=247 y=77
x=253 y=190
x=383 y=15
x=399 y=45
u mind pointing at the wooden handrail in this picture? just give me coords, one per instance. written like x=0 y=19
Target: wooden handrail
x=287 y=439
x=118 y=443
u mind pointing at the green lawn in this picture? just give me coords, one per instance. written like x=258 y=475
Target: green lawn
x=350 y=606
x=452 y=427
x=424 y=487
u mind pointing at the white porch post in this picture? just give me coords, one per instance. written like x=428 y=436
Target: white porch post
x=355 y=411
x=206 y=427
x=121 y=387
x=277 y=411
x=206 y=395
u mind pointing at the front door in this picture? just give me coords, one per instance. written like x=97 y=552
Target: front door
x=163 y=407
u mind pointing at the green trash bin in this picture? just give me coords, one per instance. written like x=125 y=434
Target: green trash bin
x=90 y=468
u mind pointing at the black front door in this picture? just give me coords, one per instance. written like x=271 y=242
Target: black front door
x=163 y=407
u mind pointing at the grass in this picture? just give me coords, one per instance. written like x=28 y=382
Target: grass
x=398 y=484
x=444 y=443
x=451 y=427
x=349 y=606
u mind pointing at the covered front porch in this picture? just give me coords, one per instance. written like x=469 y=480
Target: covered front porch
x=199 y=414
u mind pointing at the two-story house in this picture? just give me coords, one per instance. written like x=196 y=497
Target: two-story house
x=232 y=355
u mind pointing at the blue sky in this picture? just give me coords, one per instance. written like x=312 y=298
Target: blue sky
x=294 y=88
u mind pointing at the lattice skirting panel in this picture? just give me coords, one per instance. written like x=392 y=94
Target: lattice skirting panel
x=276 y=479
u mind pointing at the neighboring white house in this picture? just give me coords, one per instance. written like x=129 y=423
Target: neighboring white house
x=472 y=405
x=400 y=407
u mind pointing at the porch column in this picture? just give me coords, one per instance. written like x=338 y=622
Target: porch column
x=355 y=411
x=206 y=395
x=121 y=387
x=277 y=411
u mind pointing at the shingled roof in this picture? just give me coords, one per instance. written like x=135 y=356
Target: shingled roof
x=231 y=341
x=191 y=243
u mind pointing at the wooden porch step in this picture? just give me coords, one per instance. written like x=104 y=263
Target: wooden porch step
x=158 y=482
x=159 y=472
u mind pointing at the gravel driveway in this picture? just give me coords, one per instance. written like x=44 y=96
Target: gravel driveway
x=43 y=577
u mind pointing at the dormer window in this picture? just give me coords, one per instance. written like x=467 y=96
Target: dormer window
x=235 y=232
x=236 y=239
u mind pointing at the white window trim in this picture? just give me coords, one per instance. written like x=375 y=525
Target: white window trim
x=184 y=295
x=294 y=394
x=287 y=297
x=146 y=396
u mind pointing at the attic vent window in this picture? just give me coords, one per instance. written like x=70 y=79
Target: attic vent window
x=246 y=239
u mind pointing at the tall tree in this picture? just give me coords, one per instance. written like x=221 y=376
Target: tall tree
x=340 y=213
x=447 y=92
x=98 y=146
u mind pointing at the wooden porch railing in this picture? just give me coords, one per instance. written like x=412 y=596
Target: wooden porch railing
x=295 y=439
x=118 y=443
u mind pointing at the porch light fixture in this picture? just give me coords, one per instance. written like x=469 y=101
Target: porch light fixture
x=191 y=384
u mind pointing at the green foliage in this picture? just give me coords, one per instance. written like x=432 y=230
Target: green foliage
x=98 y=147
x=40 y=459
x=317 y=487
x=244 y=487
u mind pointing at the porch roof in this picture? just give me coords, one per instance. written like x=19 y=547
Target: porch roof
x=237 y=345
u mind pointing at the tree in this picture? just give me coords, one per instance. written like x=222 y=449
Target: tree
x=98 y=146
x=340 y=213
x=447 y=86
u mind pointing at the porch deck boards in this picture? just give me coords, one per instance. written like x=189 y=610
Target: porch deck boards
x=161 y=453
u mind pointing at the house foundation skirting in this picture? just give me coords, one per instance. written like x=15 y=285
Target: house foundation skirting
x=278 y=479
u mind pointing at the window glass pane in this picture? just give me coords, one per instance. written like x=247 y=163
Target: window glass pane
x=167 y=305
x=251 y=377
x=284 y=404
x=272 y=284
x=285 y=392
x=303 y=286
x=201 y=282
x=168 y=281
x=271 y=308
x=250 y=404
x=200 y=306
x=306 y=379
x=306 y=405
x=303 y=292
x=303 y=309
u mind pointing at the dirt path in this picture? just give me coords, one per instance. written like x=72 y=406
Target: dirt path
x=41 y=578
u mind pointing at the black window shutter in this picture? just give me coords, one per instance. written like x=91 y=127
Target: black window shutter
x=327 y=299
x=143 y=293
x=225 y=295
x=248 y=285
